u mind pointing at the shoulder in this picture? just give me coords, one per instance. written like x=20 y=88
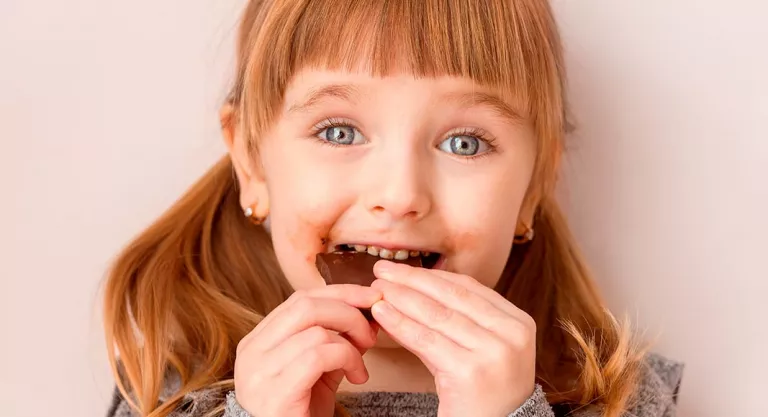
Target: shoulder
x=656 y=392
x=659 y=386
x=119 y=407
x=194 y=403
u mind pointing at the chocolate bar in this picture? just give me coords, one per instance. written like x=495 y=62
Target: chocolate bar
x=353 y=268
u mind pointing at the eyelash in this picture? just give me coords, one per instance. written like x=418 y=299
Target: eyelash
x=476 y=133
x=466 y=131
x=328 y=124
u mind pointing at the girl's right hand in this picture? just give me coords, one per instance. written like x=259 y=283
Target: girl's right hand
x=292 y=363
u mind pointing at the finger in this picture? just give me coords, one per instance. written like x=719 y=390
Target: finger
x=509 y=330
x=354 y=295
x=308 y=312
x=435 y=350
x=401 y=272
x=311 y=364
x=275 y=360
x=431 y=313
x=459 y=292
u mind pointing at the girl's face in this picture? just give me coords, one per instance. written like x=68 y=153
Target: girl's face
x=431 y=164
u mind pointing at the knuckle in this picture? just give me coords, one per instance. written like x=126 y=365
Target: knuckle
x=458 y=292
x=531 y=324
x=465 y=280
x=313 y=357
x=303 y=310
x=318 y=335
x=248 y=373
x=439 y=313
x=345 y=291
x=523 y=336
x=424 y=338
x=498 y=322
x=298 y=294
x=351 y=351
x=240 y=346
x=304 y=306
x=449 y=384
x=499 y=354
x=244 y=342
x=468 y=372
x=526 y=321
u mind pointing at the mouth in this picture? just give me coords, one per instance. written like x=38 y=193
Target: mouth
x=428 y=259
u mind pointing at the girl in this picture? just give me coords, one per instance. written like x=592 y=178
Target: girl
x=429 y=129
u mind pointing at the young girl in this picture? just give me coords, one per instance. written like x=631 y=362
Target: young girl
x=428 y=129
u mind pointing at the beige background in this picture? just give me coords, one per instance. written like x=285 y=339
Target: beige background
x=108 y=112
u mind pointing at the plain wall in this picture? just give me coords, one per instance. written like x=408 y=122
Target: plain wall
x=108 y=111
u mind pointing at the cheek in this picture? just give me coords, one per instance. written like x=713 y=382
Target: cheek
x=483 y=252
x=299 y=231
x=297 y=236
x=482 y=234
x=304 y=205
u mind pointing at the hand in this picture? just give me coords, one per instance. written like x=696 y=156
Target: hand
x=479 y=347
x=292 y=363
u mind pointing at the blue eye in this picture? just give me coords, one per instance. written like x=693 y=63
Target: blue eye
x=341 y=135
x=464 y=145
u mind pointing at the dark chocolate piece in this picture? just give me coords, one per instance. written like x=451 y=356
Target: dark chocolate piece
x=353 y=268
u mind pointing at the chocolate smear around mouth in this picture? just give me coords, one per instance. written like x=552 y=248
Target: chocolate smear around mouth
x=353 y=268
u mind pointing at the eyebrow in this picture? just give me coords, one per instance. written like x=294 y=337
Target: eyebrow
x=340 y=91
x=491 y=101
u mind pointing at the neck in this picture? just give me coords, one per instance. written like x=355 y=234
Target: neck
x=393 y=370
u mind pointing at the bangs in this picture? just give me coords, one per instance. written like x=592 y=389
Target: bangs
x=426 y=38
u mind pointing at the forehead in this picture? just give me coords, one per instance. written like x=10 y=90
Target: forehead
x=312 y=88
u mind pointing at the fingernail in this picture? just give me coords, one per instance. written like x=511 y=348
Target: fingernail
x=382 y=308
x=383 y=269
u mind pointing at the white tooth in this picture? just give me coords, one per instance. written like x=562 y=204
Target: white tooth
x=386 y=254
x=373 y=251
x=401 y=255
x=414 y=253
x=360 y=248
x=426 y=253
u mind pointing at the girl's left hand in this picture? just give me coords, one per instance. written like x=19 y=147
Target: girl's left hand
x=480 y=348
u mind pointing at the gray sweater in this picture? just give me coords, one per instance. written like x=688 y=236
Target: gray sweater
x=656 y=397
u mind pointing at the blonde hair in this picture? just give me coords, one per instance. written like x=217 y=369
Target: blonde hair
x=182 y=294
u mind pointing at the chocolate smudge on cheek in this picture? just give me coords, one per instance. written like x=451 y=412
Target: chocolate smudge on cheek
x=463 y=241
x=463 y=245
x=310 y=236
x=482 y=252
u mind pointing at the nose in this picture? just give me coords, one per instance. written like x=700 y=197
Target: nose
x=399 y=187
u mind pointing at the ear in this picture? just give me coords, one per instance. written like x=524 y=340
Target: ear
x=525 y=217
x=253 y=187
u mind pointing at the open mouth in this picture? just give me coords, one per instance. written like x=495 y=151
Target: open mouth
x=428 y=259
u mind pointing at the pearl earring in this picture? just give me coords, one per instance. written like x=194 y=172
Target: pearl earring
x=525 y=237
x=249 y=213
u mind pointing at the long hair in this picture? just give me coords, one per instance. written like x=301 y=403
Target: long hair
x=186 y=290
